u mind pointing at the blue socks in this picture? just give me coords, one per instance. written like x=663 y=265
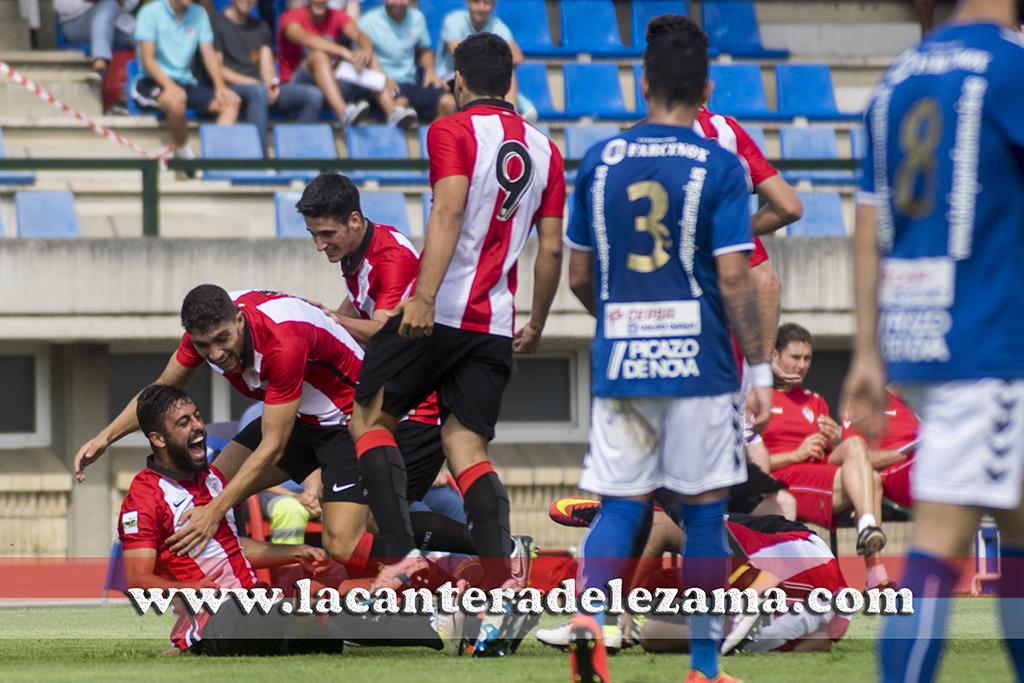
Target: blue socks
x=1011 y=605
x=912 y=644
x=705 y=566
x=610 y=542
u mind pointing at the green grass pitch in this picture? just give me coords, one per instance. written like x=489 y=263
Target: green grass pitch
x=112 y=643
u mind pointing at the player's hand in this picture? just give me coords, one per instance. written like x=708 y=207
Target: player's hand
x=432 y=81
x=759 y=407
x=864 y=389
x=417 y=317
x=273 y=94
x=226 y=96
x=783 y=379
x=200 y=526
x=527 y=340
x=313 y=560
x=812 y=448
x=89 y=453
x=392 y=87
x=311 y=501
x=828 y=428
x=361 y=58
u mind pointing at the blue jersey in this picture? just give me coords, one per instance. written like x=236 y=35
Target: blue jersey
x=656 y=205
x=945 y=171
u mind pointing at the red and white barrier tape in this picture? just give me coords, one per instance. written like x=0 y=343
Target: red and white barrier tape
x=99 y=129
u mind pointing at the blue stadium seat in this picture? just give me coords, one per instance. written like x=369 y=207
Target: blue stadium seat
x=387 y=208
x=811 y=143
x=423 y=141
x=435 y=11
x=428 y=200
x=732 y=28
x=528 y=22
x=579 y=139
x=590 y=26
x=858 y=143
x=739 y=92
x=533 y=82
x=594 y=90
x=641 y=104
x=645 y=10
x=304 y=141
x=756 y=134
x=46 y=214
x=290 y=224
x=239 y=141
x=806 y=90
x=380 y=142
x=221 y=5
x=63 y=43
x=13 y=177
x=823 y=216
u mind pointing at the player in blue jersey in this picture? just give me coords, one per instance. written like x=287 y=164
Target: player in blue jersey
x=660 y=235
x=938 y=249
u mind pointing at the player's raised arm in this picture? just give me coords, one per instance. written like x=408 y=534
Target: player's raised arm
x=125 y=423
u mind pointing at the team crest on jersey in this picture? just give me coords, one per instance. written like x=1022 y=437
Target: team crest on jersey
x=614 y=151
x=808 y=414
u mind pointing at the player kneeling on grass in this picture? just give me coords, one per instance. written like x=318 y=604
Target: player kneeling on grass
x=178 y=478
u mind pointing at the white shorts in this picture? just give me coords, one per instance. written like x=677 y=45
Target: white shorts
x=971 y=449
x=688 y=445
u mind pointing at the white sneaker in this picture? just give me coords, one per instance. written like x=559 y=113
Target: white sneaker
x=355 y=113
x=744 y=629
x=559 y=637
x=403 y=117
x=449 y=628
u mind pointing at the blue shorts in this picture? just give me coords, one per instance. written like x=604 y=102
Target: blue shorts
x=146 y=90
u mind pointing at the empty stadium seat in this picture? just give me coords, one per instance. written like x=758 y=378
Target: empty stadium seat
x=593 y=90
x=387 y=208
x=739 y=92
x=304 y=141
x=732 y=28
x=858 y=143
x=238 y=141
x=590 y=26
x=13 y=177
x=380 y=142
x=638 y=95
x=290 y=223
x=428 y=200
x=756 y=134
x=806 y=90
x=46 y=214
x=434 y=11
x=528 y=22
x=823 y=216
x=645 y=10
x=811 y=143
x=579 y=139
x=533 y=82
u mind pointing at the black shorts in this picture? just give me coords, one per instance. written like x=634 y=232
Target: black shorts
x=420 y=445
x=746 y=496
x=146 y=90
x=329 y=448
x=468 y=370
x=423 y=100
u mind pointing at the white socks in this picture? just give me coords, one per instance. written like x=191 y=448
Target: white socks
x=865 y=521
x=184 y=152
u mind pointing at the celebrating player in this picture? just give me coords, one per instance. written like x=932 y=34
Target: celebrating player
x=664 y=272
x=937 y=248
x=455 y=334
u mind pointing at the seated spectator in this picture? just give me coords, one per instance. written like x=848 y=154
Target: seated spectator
x=825 y=476
x=309 y=45
x=243 y=43
x=168 y=33
x=402 y=43
x=892 y=455
x=461 y=24
x=104 y=24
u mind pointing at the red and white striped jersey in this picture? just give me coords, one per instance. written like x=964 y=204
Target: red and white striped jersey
x=516 y=175
x=799 y=558
x=151 y=513
x=380 y=275
x=292 y=351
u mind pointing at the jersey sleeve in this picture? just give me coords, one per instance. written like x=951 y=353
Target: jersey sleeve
x=747 y=149
x=422 y=32
x=821 y=406
x=394 y=280
x=187 y=354
x=341 y=21
x=731 y=214
x=447 y=153
x=1005 y=102
x=286 y=369
x=502 y=30
x=579 y=235
x=552 y=202
x=450 y=27
x=138 y=525
x=204 y=29
x=145 y=24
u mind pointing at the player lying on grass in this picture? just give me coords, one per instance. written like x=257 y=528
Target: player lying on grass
x=768 y=551
x=176 y=479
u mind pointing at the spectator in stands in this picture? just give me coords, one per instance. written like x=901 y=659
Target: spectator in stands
x=459 y=25
x=104 y=24
x=309 y=44
x=402 y=42
x=168 y=33
x=824 y=475
x=243 y=43
x=892 y=454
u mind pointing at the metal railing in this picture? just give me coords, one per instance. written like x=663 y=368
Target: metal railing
x=150 y=170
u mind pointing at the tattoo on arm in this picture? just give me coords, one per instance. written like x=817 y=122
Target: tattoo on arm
x=745 y=317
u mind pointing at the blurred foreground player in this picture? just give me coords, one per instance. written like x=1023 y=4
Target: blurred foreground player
x=665 y=273
x=937 y=249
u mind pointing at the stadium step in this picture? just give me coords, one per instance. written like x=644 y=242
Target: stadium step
x=14 y=31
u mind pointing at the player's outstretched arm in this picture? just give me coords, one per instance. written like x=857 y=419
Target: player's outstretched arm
x=547 y=269
x=201 y=522
x=125 y=423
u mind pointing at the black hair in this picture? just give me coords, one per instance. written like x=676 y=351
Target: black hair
x=154 y=403
x=329 y=195
x=206 y=306
x=791 y=332
x=676 y=60
x=485 y=62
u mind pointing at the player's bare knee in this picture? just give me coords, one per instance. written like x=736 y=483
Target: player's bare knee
x=787 y=504
x=340 y=546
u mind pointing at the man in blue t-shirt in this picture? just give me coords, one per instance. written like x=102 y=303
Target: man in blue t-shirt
x=402 y=44
x=660 y=237
x=938 y=248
